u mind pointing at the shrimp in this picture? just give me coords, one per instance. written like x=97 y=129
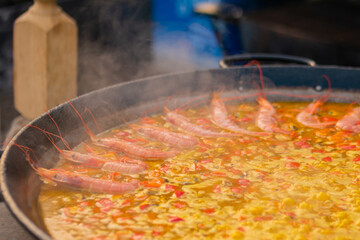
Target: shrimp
x=126 y=147
x=351 y=121
x=220 y=117
x=180 y=140
x=308 y=118
x=80 y=181
x=266 y=118
x=123 y=165
x=184 y=123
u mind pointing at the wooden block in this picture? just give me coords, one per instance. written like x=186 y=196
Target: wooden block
x=45 y=58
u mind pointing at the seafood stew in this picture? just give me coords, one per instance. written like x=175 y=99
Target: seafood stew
x=111 y=105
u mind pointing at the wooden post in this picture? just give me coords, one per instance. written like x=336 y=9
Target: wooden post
x=45 y=58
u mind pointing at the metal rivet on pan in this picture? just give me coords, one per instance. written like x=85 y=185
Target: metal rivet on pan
x=318 y=88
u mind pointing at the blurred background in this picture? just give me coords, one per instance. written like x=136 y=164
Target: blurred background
x=121 y=40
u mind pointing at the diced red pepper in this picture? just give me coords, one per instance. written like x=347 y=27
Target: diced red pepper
x=218 y=173
x=153 y=183
x=241 y=229
x=217 y=189
x=175 y=219
x=243 y=182
x=179 y=193
x=179 y=204
x=356 y=159
x=302 y=144
x=169 y=187
x=165 y=168
x=348 y=147
x=237 y=190
x=292 y=165
x=198 y=167
x=106 y=202
x=208 y=210
x=84 y=204
x=237 y=152
x=263 y=218
x=138 y=236
x=126 y=202
x=144 y=206
x=327 y=159
x=317 y=150
x=156 y=233
x=206 y=161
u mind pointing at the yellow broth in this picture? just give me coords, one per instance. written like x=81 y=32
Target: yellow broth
x=304 y=186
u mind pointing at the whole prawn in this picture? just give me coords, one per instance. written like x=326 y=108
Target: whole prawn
x=266 y=118
x=307 y=116
x=351 y=121
x=220 y=117
x=80 y=181
x=185 y=124
x=175 y=139
x=123 y=165
x=127 y=147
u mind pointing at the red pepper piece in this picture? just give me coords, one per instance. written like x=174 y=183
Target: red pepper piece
x=179 y=193
x=244 y=182
x=348 y=147
x=175 y=219
x=179 y=204
x=144 y=206
x=169 y=187
x=292 y=165
x=237 y=190
x=356 y=159
x=208 y=210
x=327 y=159
x=302 y=144
x=106 y=202
x=263 y=218
x=138 y=236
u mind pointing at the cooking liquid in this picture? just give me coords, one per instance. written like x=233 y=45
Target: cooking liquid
x=275 y=187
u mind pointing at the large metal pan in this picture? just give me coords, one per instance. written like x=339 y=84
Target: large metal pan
x=20 y=184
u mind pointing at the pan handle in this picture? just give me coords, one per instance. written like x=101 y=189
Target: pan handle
x=264 y=59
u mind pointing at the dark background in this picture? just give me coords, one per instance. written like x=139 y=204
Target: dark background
x=121 y=40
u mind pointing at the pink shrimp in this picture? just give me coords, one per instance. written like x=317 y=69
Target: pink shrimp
x=176 y=139
x=123 y=165
x=127 y=147
x=266 y=118
x=351 y=121
x=184 y=123
x=80 y=181
x=307 y=116
x=221 y=118
x=135 y=150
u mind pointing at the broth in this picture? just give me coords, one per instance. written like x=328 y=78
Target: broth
x=303 y=186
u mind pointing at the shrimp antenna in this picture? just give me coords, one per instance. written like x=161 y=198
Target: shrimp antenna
x=91 y=134
x=261 y=77
x=49 y=134
x=92 y=115
x=323 y=98
x=25 y=150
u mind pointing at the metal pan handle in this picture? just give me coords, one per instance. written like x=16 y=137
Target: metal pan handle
x=264 y=59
